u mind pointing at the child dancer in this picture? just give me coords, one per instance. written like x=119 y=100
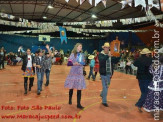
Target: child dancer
x=92 y=64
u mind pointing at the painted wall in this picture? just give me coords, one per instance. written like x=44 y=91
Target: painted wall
x=12 y=42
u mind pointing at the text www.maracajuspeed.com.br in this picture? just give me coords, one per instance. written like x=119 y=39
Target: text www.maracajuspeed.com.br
x=39 y=117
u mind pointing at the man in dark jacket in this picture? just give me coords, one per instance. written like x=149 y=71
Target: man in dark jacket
x=28 y=70
x=143 y=75
x=106 y=62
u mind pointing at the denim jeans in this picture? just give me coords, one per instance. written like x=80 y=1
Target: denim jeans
x=40 y=78
x=47 y=72
x=143 y=84
x=91 y=73
x=104 y=92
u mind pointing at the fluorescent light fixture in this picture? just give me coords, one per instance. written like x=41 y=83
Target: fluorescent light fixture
x=94 y=16
x=44 y=17
x=50 y=6
x=28 y=31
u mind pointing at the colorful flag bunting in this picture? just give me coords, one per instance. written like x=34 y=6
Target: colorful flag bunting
x=90 y=1
x=97 y=2
x=81 y=1
x=104 y=2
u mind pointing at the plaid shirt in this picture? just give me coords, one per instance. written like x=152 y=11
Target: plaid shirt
x=37 y=61
x=48 y=63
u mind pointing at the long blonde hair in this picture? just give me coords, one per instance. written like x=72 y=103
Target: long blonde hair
x=75 y=49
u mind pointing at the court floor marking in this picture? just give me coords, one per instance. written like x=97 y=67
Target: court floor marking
x=10 y=101
x=89 y=106
x=23 y=83
x=27 y=99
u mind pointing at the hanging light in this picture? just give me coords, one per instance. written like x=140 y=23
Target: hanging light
x=50 y=6
x=44 y=17
x=94 y=16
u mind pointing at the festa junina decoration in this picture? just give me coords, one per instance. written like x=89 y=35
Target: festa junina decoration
x=63 y=34
x=51 y=27
x=126 y=2
x=115 y=47
x=151 y=3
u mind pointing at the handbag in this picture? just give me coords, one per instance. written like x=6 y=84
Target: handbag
x=69 y=63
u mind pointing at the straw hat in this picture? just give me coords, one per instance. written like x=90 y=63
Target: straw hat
x=106 y=45
x=91 y=57
x=145 y=51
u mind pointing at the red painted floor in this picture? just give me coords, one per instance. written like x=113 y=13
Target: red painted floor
x=54 y=99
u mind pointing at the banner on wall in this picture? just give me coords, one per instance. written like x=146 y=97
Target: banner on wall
x=63 y=35
x=45 y=38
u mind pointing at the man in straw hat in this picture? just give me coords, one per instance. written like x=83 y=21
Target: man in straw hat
x=143 y=75
x=92 y=64
x=106 y=62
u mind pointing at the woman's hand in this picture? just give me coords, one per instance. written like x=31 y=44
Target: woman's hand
x=34 y=65
x=39 y=66
x=76 y=64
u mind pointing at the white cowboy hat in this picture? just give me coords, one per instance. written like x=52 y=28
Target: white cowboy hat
x=145 y=51
x=106 y=45
x=91 y=57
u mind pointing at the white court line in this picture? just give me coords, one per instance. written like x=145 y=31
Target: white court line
x=123 y=89
x=8 y=85
x=27 y=98
x=133 y=89
x=10 y=102
x=55 y=94
x=125 y=79
x=112 y=89
x=132 y=95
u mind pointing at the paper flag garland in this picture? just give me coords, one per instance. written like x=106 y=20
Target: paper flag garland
x=104 y=2
x=96 y=2
x=126 y=2
x=140 y=2
x=90 y=1
x=153 y=3
x=67 y=1
x=81 y=1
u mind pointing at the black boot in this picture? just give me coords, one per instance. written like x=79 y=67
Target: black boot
x=47 y=83
x=95 y=74
x=70 y=96
x=25 y=84
x=29 y=88
x=31 y=83
x=79 y=99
